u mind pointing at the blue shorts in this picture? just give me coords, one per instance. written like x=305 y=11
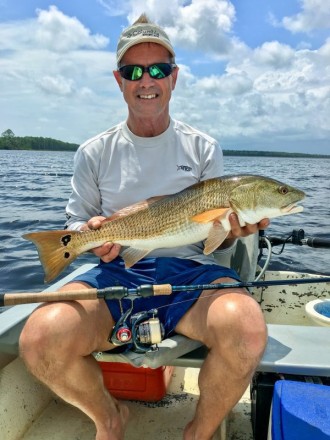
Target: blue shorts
x=174 y=271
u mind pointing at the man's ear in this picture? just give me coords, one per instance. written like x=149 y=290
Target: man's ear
x=119 y=79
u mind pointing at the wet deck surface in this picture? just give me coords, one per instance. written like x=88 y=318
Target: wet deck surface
x=163 y=420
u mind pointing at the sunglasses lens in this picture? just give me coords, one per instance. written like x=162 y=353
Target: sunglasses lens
x=160 y=70
x=136 y=73
x=131 y=72
x=156 y=71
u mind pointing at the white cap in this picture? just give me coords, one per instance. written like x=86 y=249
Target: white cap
x=142 y=33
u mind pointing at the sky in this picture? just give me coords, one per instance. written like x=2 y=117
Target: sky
x=254 y=74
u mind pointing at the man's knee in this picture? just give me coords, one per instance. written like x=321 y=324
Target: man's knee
x=65 y=330
x=235 y=321
x=46 y=330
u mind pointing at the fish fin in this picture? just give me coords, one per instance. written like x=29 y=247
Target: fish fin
x=216 y=236
x=210 y=216
x=55 y=250
x=128 y=210
x=133 y=255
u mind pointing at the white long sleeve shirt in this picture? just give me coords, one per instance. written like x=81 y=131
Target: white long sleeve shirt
x=117 y=168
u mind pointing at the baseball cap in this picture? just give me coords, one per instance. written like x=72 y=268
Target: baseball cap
x=142 y=32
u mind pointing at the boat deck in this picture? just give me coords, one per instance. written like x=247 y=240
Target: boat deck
x=164 y=420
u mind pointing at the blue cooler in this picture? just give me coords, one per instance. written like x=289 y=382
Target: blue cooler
x=300 y=411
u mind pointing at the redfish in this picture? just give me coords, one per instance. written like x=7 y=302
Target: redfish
x=186 y=217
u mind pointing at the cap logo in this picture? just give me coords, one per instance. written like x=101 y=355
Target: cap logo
x=144 y=32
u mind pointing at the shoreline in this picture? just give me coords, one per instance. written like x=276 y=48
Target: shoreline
x=232 y=153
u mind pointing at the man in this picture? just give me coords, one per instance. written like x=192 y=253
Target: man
x=148 y=155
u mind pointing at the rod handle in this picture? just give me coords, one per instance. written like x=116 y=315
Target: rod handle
x=146 y=290
x=316 y=242
x=13 y=299
x=162 y=289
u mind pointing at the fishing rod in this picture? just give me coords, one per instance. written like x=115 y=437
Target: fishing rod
x=297 y=237
x=145 y=290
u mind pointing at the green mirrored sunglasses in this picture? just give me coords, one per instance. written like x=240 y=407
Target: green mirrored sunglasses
x=134 y=72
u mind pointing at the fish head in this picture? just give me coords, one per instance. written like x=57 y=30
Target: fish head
x=257 y=197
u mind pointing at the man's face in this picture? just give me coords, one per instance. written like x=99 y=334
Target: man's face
x=147 y=97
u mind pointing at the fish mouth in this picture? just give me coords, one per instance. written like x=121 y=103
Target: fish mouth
x=292 y=209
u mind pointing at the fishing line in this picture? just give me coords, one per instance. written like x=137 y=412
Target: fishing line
x=199 y=298
x=189 y=300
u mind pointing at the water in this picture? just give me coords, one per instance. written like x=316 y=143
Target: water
x=35 y=186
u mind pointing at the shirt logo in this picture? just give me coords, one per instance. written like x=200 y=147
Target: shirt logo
x=183 y=168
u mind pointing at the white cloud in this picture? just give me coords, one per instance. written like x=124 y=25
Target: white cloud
x=271 y=96
x=202 y=24
x=114 y=7
x=274 y=54
x=58 y=32
x=229 y=84
x=57 y=85
x=55 y=56
x=315 y=15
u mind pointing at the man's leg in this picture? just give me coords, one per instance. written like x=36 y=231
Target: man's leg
x=230 y=323
x=56 y=345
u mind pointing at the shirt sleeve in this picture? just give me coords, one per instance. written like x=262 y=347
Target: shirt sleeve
x=212 y=163
x=85 y=199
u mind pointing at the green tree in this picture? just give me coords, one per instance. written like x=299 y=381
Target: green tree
x=9 y=134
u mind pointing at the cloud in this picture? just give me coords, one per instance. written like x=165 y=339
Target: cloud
x=202 y=24
x=54 y=55
x=274 y=54
x=57 y=85
x=114 y=7
x=229 y=84
x=58 y=32
x=272 y=96
x=315 y=15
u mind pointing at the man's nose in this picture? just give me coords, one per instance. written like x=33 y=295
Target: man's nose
x=146 y=79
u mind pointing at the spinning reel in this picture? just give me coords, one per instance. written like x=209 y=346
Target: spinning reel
x=144 y=330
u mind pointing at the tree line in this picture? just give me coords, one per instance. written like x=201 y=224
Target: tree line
x=8 y=141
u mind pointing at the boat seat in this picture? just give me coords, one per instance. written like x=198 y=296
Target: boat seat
x=291 y=349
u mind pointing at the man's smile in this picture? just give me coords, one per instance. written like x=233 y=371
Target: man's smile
x=151 y=96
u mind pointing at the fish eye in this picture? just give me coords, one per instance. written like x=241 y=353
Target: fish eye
x=283 y=190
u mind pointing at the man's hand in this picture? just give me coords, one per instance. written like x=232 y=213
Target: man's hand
x=108 y=251
x=242 y=231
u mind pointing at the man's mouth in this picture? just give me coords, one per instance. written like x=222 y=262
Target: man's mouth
x=151 y=96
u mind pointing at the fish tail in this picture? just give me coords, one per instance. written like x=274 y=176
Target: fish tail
x=56 y=250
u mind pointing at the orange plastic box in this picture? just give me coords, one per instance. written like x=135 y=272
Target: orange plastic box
x=127 y=382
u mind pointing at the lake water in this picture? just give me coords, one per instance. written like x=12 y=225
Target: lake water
x=35 y=186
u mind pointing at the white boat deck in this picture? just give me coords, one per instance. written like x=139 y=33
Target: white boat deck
x=55 y=420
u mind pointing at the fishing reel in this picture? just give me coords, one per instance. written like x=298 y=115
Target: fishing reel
x=144 y=330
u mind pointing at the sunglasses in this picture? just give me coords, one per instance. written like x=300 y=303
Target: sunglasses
x=134 y=72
